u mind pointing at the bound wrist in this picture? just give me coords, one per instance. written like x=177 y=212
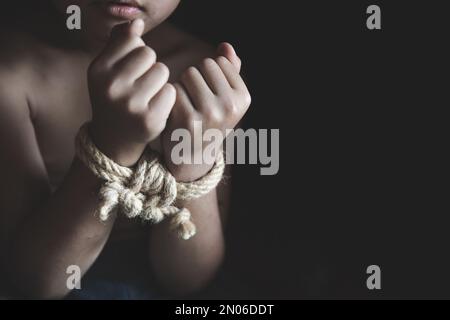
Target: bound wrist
x=124 y=153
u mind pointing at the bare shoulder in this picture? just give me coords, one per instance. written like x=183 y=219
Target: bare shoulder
x=20 y=58
x=24 y=61
x=13 y=75
x=181 y=49
x=18 y=52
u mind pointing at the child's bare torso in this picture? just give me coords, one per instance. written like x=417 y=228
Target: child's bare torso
x=54 y=82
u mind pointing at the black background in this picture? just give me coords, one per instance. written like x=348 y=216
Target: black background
x=361 y=117
x=363 y=170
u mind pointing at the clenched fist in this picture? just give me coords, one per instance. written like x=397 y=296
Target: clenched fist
x=213 y=93
x=131 y=99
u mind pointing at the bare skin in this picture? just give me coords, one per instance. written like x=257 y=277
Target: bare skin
x=48 y=197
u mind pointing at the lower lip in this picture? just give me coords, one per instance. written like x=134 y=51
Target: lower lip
x=122 y=11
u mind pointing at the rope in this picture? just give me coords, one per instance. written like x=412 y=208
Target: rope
x=148 y=191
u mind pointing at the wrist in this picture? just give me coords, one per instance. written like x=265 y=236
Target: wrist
x=188 y=172
x=124 y=153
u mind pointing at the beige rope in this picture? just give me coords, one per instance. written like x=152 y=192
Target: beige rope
x=148 y=191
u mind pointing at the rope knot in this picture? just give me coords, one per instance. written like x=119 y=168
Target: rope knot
x=148 y=191
x=130 y=203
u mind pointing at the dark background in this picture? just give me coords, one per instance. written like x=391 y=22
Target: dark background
x=362 y=117
x=363 y=168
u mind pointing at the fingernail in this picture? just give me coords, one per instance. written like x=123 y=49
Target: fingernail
x=232 y=48
x=226 y=44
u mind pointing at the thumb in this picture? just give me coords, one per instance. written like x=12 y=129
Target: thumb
x=137 y=27
x=225 y=49
x=119 y=44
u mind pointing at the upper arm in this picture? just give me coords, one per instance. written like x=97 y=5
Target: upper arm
x=24 y=182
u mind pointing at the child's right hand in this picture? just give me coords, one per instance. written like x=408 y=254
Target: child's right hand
x=131 y=99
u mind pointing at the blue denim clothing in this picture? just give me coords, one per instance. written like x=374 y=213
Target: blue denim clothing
x=121 y=272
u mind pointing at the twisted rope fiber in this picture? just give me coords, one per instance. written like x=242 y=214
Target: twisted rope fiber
x=149 y=190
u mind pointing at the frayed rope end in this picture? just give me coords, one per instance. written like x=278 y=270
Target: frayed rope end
x=183 y=225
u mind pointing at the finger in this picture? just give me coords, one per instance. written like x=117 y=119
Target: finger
x=124 y=38
x=183 y=103
x=196 y=87
x=135 y=64
x=214 y=77
x=152 y=82
x=162 y=103
x=233 y=77
x=225 y=49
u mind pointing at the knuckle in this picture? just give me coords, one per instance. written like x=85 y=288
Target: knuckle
x=162 y=68
x=212 y=115
x=232 y=108
x=147 y=53
x=189 y=73
x=229 y=104
x=170 y=91
x=207 y=63
x=112 y=89
x=131 y=105
x=222 y=60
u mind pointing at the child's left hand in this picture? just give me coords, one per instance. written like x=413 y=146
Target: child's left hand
x=213 y=93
